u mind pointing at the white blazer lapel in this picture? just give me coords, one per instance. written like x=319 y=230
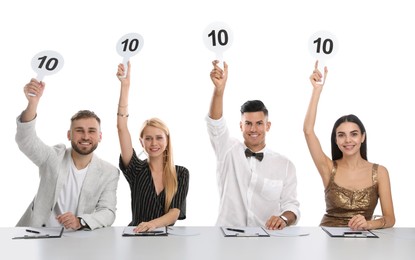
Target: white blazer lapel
x=90 y=187
x=63 y=175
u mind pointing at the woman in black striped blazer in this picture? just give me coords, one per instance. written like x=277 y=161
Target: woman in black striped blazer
x=158 y=186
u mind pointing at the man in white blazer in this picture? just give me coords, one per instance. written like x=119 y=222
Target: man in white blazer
x=77 y=190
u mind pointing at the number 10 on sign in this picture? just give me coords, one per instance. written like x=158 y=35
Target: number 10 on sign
x=218 y=38
x=323 y=45
x=128 y=46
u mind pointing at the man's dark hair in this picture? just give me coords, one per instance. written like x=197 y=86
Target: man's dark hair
x=254 y=106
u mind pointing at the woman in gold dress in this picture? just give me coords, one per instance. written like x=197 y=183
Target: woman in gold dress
x=353 y=185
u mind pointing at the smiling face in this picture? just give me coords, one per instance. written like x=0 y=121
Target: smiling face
x=254 y=126
x=349 y=138
x=85 y=134
x=154 y=141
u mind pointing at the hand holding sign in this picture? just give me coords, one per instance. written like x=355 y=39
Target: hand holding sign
x=128 y=46
x=218 y=38
x=323 y=45
x=317 y=79
x=46 y=63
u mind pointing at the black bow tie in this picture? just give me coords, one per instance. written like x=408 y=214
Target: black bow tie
x=249 y=153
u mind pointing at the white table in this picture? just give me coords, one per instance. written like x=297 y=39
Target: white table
x=209 y=243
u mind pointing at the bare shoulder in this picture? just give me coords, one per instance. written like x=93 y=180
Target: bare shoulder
x=382 y=169
x=383 y=173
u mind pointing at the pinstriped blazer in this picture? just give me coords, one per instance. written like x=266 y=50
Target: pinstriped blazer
x=97 y=200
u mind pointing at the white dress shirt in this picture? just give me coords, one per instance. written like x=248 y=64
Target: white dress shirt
x=250 y=191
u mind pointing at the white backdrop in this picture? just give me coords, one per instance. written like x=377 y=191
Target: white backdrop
x=370 y=76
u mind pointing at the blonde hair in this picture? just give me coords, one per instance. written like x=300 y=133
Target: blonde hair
x=169 y=168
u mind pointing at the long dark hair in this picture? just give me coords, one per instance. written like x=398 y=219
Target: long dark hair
x=335 y=151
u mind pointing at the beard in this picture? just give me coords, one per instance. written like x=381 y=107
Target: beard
x=83 y=151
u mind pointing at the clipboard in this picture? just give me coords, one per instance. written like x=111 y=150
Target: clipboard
x=129 y=232
x=39 y=233
x=244 y=232
x=347 y=232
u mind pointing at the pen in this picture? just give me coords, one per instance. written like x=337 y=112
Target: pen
x=32 y=231
x=236 y=230
x=151 y=232
x=352 y=233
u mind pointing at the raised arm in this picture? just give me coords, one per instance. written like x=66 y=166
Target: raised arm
x=219 y=77
x=33 y=92
x=122 y=115
x=26 y=138
x=322 y=162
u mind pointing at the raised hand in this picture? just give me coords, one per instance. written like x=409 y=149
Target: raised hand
x=317 y=79
x=122 y=75
x=218 y=75
x=34 y=90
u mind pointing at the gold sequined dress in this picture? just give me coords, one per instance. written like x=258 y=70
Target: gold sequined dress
x=342 y=203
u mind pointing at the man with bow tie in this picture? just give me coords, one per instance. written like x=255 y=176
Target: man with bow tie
x=257 y=186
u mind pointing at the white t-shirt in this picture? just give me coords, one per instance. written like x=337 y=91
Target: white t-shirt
x=69 y=196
